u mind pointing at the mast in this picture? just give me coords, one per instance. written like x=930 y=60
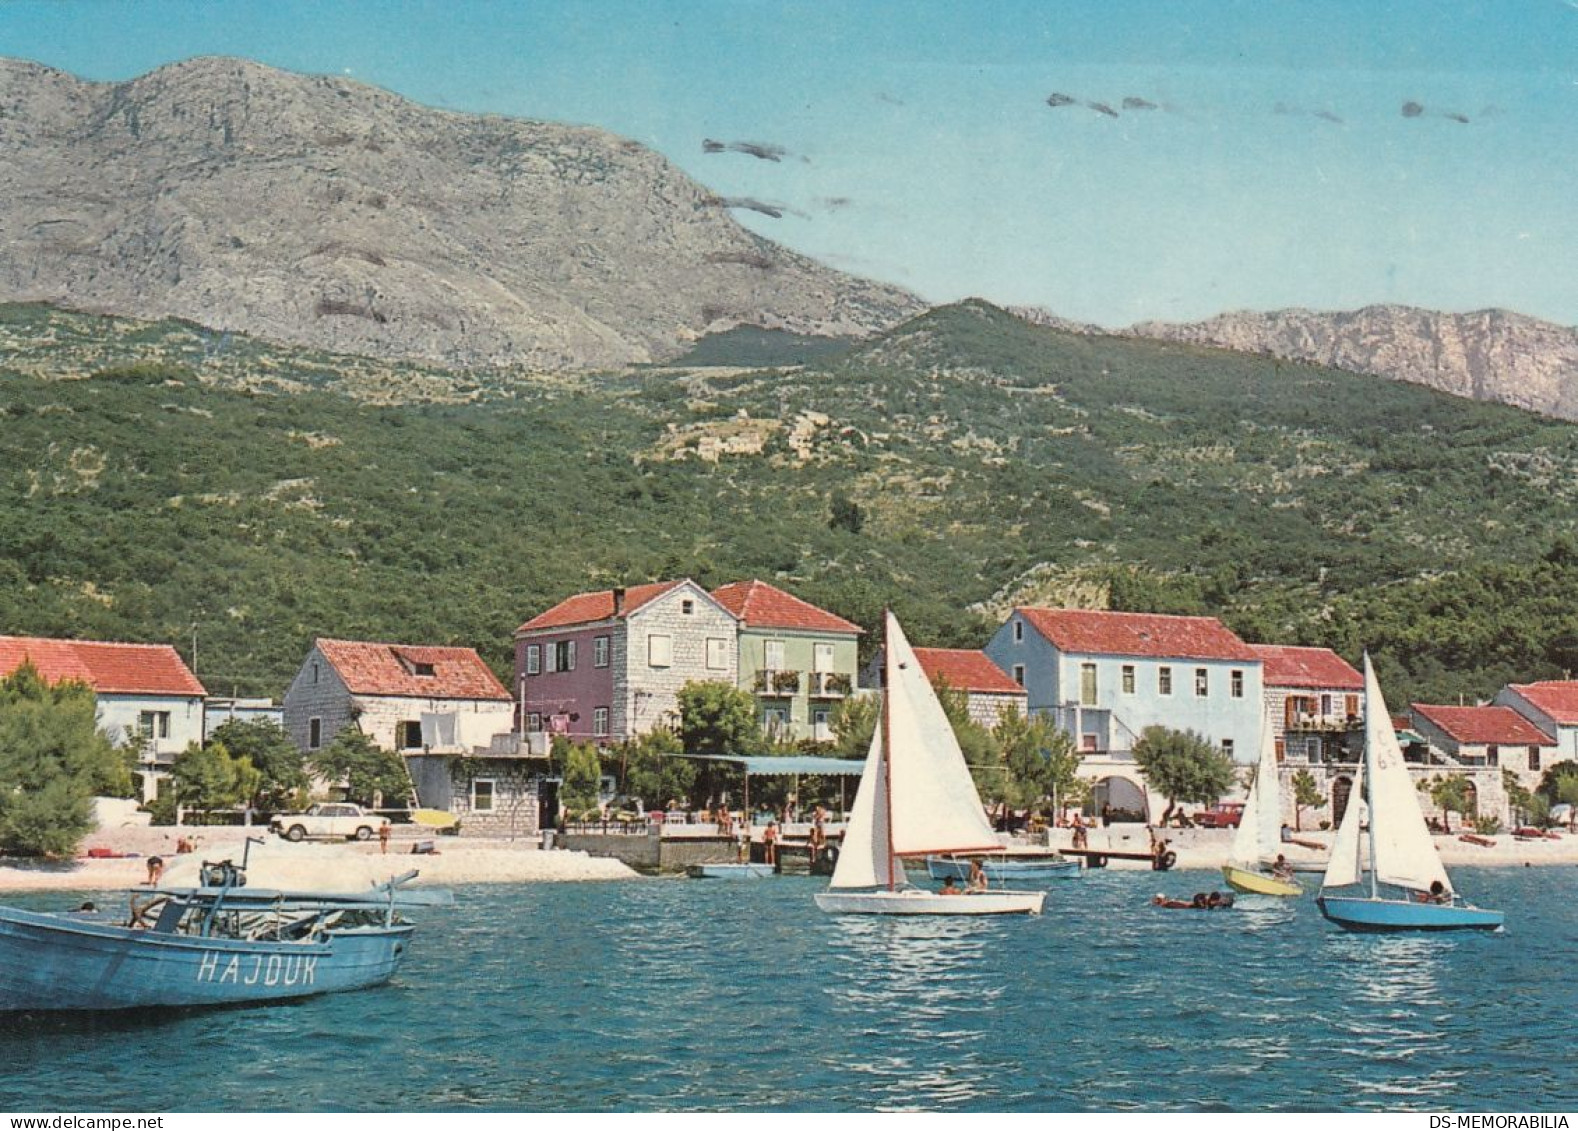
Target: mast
x=887 y=746
x=1369 y=768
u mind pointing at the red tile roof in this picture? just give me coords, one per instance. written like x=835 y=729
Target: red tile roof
x=1558 y=698
x=965 y=669
x=1500 y=725
x=1138 y=634
x=759 y=605
x=391 y=669
x=589 y=608
x=111 y=669
x=1288 y=666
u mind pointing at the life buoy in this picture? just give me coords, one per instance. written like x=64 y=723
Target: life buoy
x=1166 y=860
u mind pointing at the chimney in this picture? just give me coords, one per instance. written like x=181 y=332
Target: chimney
x=619 y=602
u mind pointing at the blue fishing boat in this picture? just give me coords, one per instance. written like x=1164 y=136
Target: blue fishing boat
x=1003 y=869
x=219 y=944
x=1408 y=888
x=729 y=871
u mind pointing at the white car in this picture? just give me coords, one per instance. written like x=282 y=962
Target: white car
x=351 y=822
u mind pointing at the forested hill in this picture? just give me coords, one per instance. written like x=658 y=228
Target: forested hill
x=960 y=463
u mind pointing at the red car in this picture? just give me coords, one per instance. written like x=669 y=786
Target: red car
x=1222 y=815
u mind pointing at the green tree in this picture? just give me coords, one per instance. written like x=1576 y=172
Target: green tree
x=1306 y=795
x=1453 y=794
x=1183 y=766
x=583 y=779
x=717 y=718
x=53 y=760
x=205 y=778
x=654 y=770
x=371 y=775
x=853 y=722
x=282 y=770
x=1040 y=759
x=1527 y=806
x=981 y=752
x=845 y=514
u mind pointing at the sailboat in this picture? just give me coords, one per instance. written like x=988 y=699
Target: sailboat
x=1259 y=834
x=1401 y=853
x=916 y=797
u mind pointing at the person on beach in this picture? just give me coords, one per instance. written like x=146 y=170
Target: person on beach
x=155 y=869
x=770 y=843
x=383 y=838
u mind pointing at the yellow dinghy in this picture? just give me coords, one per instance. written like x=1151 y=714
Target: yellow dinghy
x=1258 y=883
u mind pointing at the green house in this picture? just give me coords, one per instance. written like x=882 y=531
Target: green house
x=798 y=660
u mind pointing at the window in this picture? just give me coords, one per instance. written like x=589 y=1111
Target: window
x=1019 y=674
x=1236 y=684
x=564 y=656
x=717 y=653
x=1164 y=680
x=315 y=671
x=775 y=721
x=1128 y=679
x=1534 y=757
x=821 y=726
x=548 y=661
x=534 y=721
x=1087 y=685
x=418 y=668
x=533 y=659
x=1202 y=682
x=600 y=722
x=773 y=651
x=1352 y=706
x=821 y=657
x=660 y=650
x=600 y=651
x=314 y=733
x=1019 y=631
x=1325 y=704
x=154 y=724
x=1492 y=755
x=1227 y=747
x=408 y=735
x=482 y=795
x=687 y=607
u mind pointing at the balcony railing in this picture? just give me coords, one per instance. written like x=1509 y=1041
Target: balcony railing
x=777 y=682
x=830 y=685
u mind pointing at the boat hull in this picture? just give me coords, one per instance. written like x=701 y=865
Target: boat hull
x=1005 y=871
x=52 y=962
x=914 y=901
x=1258 y=883
x=729 y=871
x=1359 y=913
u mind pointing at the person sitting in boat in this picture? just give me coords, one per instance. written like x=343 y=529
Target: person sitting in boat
x=977 y=877
x=1281 y=869
x=1436 y=894
x=949 y=887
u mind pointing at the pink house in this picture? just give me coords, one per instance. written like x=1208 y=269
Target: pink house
x=607 y=665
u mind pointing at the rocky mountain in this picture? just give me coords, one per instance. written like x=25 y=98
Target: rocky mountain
x=323 y=212
x=1489 y=355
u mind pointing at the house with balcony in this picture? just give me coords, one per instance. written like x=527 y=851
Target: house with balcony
x=1552 y=706
x=1313 y=698
x=145 y=693
x=988 y=690
x=1106 y=676
x=798 y=660
x=1490 y=737
x=393 y=693
x=607 y=665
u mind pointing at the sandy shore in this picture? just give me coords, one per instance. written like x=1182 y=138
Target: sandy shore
x=316 y=866
x=1209 y=848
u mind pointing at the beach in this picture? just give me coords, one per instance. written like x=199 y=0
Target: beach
x=341 y=866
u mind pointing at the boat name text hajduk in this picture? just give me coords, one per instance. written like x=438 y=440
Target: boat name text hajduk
x=276 y=970
x=1498 y=1122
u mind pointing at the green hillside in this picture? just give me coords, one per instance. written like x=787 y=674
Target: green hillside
x=154 y=478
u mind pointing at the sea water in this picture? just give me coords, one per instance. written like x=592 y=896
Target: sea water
x=741 y=995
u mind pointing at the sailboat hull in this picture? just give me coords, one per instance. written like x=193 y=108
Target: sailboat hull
x=1258 y=883
x=1358 y=913
x=915 y=901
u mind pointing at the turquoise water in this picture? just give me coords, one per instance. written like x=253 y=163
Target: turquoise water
x=673 y=994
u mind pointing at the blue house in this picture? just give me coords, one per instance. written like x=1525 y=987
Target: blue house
x=1107 y=676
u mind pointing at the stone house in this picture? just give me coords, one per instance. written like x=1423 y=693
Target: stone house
x=1313 y=698
x=1493 y=737
x=387 y=690
x=607 y=665
x=1106 y=676
x=798 y=660
x=988 y=690
x=144 y=692
x=1551 y=705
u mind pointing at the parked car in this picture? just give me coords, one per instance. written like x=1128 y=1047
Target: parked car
x=351 y=822
x=1222 y=815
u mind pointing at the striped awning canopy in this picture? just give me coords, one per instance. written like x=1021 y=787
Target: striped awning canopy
x=766 y=765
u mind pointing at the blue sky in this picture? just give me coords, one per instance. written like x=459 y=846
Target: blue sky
x=1263 y=159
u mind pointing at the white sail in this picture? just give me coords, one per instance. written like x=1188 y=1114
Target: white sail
x=1259 y=834
x=1404 y=853
x=1342 y=868
x=863 y=859
x=935 y=807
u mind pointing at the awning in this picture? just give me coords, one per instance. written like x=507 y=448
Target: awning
x=765 y=765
